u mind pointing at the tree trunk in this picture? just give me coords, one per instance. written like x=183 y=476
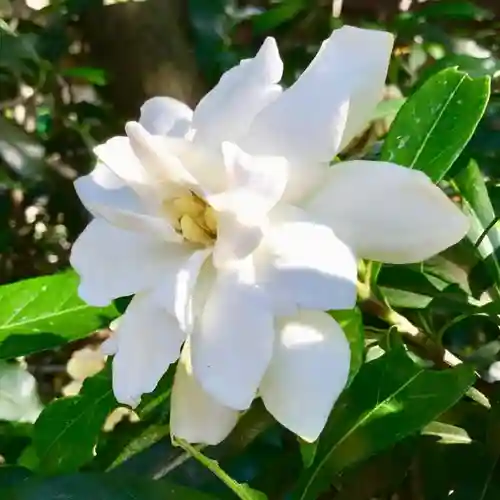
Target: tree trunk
x=146 y=49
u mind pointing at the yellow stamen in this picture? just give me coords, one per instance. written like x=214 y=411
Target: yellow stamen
x=189 y=205
x=193 y=232
x=210 y=220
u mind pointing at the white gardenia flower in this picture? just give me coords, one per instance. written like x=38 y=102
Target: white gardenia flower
x=234 y=235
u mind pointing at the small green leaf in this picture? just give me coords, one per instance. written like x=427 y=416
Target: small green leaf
x=102 y=487
x=351 y=322
x=436 y=122
x=67 y=430
x=42 y=313
x=447 y=433
x=243 y=491
x=390 y=398
x=95 y=76
x=276 y=16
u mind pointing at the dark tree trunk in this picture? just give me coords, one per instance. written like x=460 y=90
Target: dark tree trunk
x=146 y=49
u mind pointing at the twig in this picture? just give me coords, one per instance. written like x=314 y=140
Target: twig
x=408 y=330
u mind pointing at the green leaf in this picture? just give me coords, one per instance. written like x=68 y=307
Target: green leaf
x=42 y=313
x=210 y=29
x=102 y=487
x=455 y=9
x=436 y=122
x=12 y=475
x=484 y=232
x=95 y=76
x=388 y=107
x=275 y=16
x=243 y=491
x=132 y=438
x=470 y=469
x=447 y=433
x=351 y=322
x=390 y=399
x=16 y=50
x=378 y=475
x=21 y=151
x=14 y=438
x=67 y=430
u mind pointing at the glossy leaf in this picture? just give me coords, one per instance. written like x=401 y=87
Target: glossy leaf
x=42 y=313
x=449 y=105
x=67 y=430
x=390 y=399
x=128 y=440
x=102 y=487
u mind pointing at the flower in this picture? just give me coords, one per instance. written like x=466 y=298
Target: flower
x=234 y=235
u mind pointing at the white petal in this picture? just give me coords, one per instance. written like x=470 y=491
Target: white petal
x=307 y=373
x=177 y=289
x=110 y=345
x=206 y=165
x=327 y=105
x=226 y=112
x=194 y=415
x=255 y=186
x=236 y=239
x=117 y=154
x=149 y=340
x=102 y=186
x=233 y=346
x=165 y=115
x=105 y=195
x=158 y=160
x=113 y=263
x=303 y=264
x=364 y=57
x=255 y=183
x=388 y=213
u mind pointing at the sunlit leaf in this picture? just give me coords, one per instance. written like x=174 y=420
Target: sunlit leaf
x=390 y=398
x=449 y=105
x=42 y=313
x=67 y=430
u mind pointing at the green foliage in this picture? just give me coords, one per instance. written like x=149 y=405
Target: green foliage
x=390 y=398
x=67 y=430
x=42 y=313
x=105 y=487
x=449 y=105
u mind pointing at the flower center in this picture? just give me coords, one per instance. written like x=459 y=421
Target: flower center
x=194 y=219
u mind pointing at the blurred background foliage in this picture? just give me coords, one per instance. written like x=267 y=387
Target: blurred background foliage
x=73 y=71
